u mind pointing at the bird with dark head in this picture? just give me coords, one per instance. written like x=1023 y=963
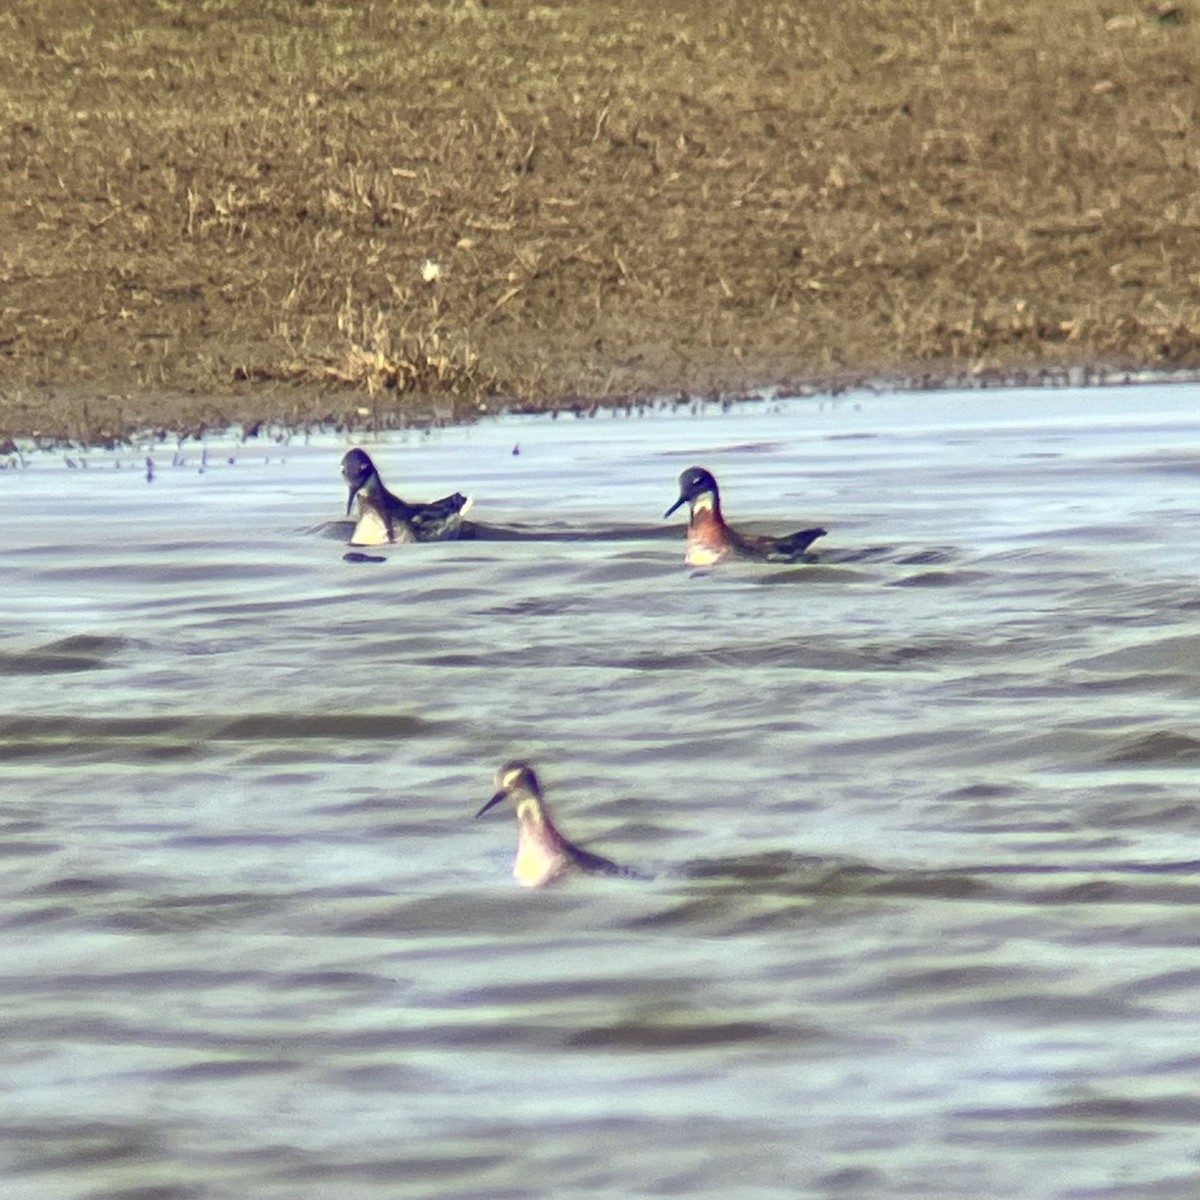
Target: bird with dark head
x=543 y=854
x=710 y=540
x=384 y=518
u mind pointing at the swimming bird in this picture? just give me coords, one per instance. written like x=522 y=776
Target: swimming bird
x=710 y=540
x=543 y=854
x=384 y=517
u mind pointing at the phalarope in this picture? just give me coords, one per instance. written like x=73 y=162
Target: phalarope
x=543 y=854
x=710 y=540
x=383 y=517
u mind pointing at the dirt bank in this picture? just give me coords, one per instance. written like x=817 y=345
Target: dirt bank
x=298 y=211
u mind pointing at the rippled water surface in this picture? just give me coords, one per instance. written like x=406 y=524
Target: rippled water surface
x=922 y=815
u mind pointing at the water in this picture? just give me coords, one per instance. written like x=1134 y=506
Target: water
x=922 y=816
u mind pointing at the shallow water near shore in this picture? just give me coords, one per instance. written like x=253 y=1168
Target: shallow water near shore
x=922 y=816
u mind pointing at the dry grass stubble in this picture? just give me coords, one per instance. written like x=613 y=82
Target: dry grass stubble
x=219 y=211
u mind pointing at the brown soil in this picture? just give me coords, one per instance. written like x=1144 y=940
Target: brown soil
x=218 y=211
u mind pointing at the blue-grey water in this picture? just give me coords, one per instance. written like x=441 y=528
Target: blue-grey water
x=923 y=816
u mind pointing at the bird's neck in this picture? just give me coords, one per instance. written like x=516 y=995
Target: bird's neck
x=706 y=509
x=541 y=849
x=372 y=488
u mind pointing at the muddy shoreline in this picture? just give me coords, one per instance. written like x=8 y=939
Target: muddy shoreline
x=266 y=413
x=298 y=215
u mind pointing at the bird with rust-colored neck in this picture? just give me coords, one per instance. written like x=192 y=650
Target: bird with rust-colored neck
x=710 y=540
x=543 y=854
x=384 y=518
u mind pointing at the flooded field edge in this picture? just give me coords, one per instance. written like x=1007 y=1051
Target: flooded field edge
x=68 y=417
